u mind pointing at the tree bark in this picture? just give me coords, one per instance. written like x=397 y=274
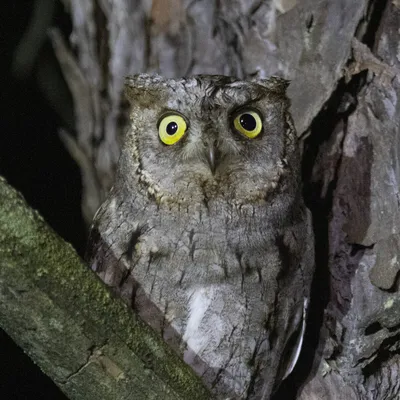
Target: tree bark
x=359 y=352
x=343 y=60
x=89 y=343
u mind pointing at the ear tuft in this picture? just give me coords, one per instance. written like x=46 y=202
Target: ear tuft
x=142 y=84
x=274 y=84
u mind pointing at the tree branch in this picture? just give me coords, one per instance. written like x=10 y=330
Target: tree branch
x=89 y=343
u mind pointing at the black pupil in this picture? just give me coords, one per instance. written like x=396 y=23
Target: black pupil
x=172 y=127
x=248 y=122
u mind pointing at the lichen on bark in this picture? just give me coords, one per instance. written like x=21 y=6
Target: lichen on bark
x=89 y=343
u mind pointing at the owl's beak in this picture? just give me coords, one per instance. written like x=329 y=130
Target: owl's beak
x=212 y=155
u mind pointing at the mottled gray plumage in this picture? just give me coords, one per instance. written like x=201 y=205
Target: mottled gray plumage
x=218 y=258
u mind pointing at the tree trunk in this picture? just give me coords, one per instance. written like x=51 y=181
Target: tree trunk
x=343 y=60
x=358 y=171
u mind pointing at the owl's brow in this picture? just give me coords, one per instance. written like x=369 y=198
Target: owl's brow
x=231 y=94
x=233 y=101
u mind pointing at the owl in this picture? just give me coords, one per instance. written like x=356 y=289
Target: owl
x=205 y=233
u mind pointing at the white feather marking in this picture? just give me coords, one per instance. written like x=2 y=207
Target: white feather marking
x=199 y=303
x=299 y=342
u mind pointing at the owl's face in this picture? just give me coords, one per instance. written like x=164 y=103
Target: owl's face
x=209 y=136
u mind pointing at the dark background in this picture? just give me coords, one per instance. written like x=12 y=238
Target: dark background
x=35 y=162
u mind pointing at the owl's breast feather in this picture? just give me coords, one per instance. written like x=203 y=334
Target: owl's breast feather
x=205 y=277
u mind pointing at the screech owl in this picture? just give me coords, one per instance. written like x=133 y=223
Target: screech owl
x=205 y=233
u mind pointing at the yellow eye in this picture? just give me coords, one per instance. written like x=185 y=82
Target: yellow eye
x=171 y=129
x=248 y=123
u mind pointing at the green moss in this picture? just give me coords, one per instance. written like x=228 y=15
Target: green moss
x=40 y=258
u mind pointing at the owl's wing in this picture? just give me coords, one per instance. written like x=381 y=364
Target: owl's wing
x=306 y=268
x=295 y=344
x=102 y=259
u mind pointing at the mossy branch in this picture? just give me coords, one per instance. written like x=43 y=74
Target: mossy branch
x=89 y=343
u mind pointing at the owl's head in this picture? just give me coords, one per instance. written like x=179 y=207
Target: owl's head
x=203 y=137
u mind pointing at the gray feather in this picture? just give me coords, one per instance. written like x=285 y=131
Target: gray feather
x=219 y=262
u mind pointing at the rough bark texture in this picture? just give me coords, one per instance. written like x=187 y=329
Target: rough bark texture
x=60 y=313
x=343 y=59
x=360 y=341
